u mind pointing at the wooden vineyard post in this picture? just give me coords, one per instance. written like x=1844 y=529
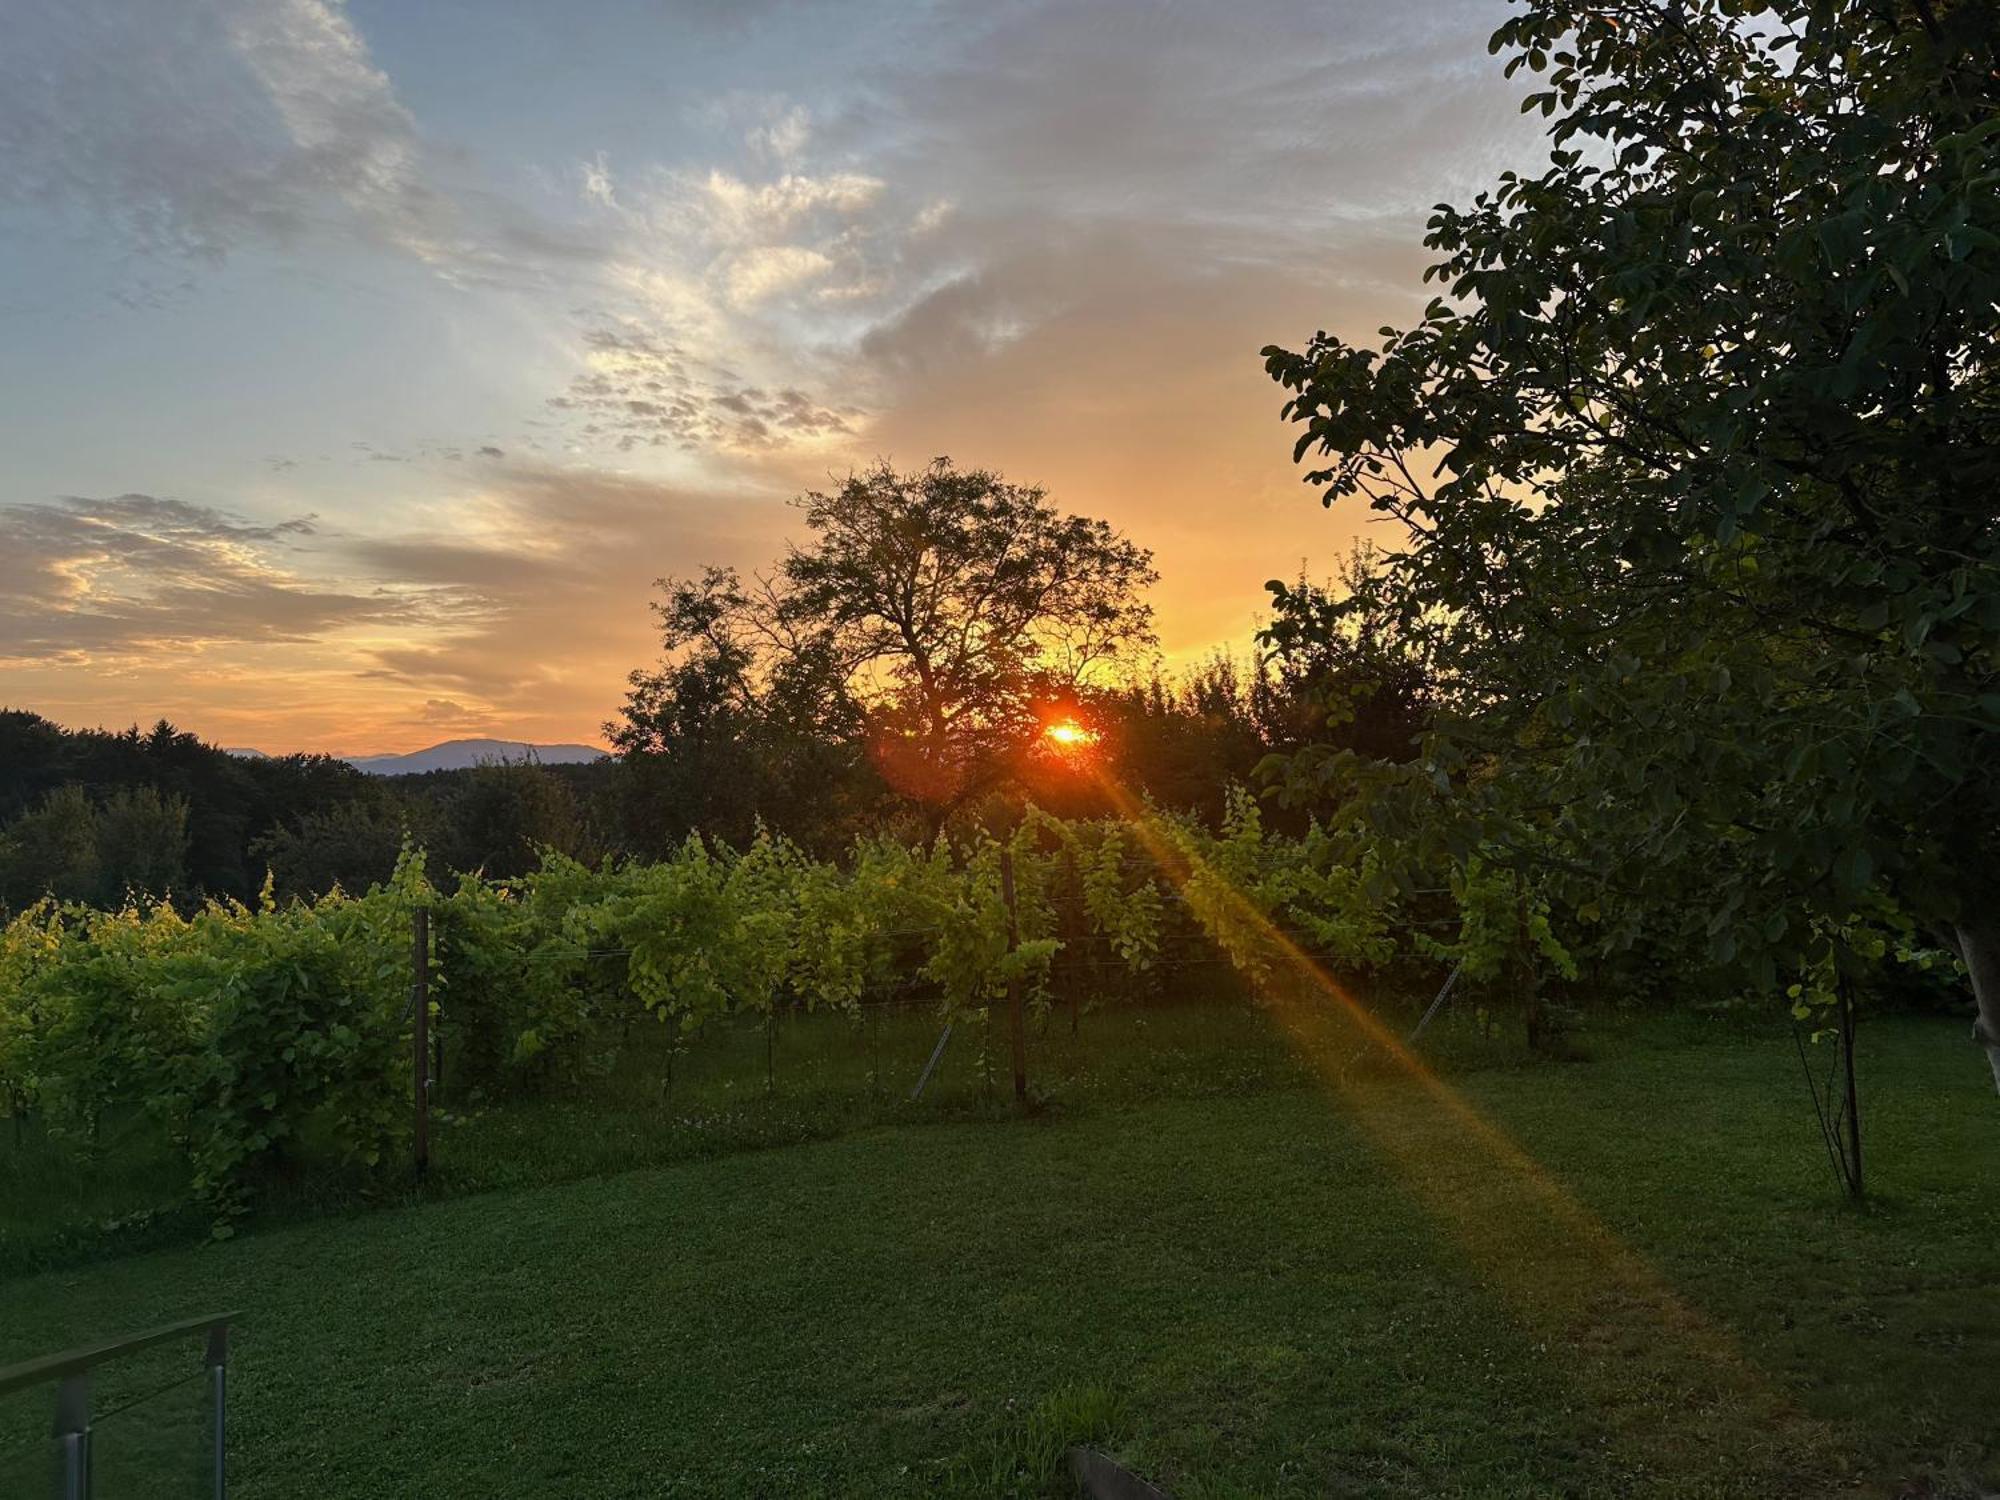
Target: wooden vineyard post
x=1016 y=1020
x=1076 y=933
x=420 y=1050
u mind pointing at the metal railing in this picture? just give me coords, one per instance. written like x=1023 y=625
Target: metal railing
x=71 y=1373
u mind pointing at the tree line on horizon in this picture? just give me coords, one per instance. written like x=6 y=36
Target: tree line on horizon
x=99 y=817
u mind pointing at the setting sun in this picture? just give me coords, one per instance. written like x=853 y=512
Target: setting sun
x=1067 y=734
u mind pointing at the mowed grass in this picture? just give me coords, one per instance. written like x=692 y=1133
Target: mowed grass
x=631 y=1100
x=1628 y=1276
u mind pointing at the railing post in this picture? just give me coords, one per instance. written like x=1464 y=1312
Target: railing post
x=73 y=1429
x=218 y=1373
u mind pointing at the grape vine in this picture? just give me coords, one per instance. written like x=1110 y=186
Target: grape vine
x=245 y=1031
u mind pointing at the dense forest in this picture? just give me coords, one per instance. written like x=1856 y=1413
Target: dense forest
x=92 y=815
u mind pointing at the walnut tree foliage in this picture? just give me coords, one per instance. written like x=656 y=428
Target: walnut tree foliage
x=925 y=616
x=1697 y=453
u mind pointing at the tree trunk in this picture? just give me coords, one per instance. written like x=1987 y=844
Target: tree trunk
x=1531 y=993
x=1538 y=1038
x=1979 y=947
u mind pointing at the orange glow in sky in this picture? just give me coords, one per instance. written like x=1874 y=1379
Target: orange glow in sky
x=624 y=337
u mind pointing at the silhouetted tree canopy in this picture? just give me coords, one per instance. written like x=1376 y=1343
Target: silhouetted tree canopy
x=922 y=623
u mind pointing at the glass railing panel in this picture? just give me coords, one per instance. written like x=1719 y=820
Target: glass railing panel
x=27 y=1452
x=141 y=1415
x=151 y=1433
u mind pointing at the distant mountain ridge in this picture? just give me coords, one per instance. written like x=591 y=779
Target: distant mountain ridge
x=457 y=755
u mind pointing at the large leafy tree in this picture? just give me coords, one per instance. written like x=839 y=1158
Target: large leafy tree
x=1698 y=456
x=925 y=617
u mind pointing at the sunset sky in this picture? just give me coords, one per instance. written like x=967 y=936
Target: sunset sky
x=363 y=365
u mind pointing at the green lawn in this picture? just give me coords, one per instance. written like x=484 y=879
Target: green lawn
x=1283 y=1290
x=731 y=1090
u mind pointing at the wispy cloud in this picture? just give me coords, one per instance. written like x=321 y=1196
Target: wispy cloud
x=503 y=620
x=1016 y=167
x=739 y=296
x=639 y=392
x=138 y=575
x=555 y=545
x=199 y=130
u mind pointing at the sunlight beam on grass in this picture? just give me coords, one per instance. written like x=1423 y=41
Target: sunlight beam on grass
x=1564 y=1273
